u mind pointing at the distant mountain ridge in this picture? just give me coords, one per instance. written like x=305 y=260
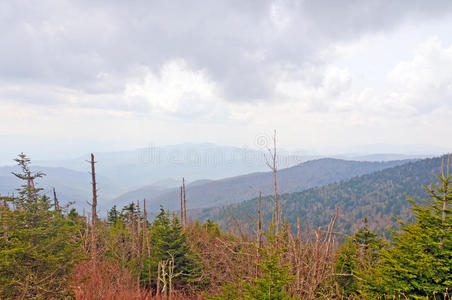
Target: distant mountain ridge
x=71 y=186
x=240 y=188
x=378 y=196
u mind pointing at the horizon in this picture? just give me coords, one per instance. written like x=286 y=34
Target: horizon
x=419 y=150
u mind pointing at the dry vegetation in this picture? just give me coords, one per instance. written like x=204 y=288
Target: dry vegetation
x=65 y=255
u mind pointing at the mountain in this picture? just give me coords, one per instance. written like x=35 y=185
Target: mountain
x=141 y=167
x=70 y=185
x=378 y=196
x=240 y=188
x=146 y=192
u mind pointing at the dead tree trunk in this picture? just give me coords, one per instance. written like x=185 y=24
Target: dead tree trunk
x=273 y=166
x=146 y=239
x=181 y=206
x=158 y=279
x=259 y=232
x=298 y=228
x=259 y=221
x=277 y=217
x=144 y=228
x=93 y=208
x=185 y=202
x=138 y=242
x=55 y=200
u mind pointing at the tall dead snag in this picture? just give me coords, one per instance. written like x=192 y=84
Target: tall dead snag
x=181 y=206
x=259 y=221
x=298 y=228
x=146 y=238
x=143 y=235
x=139 y=253
x=273 y=166
x=138 y=235
x=259 y=232
x=159 y=269
x=185 y=202
x=55 y=200
x=93 y=207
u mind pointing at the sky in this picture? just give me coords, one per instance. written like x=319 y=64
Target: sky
x=98 y=75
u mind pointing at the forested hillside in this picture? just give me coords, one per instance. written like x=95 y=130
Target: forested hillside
x=240 y=188
x=50 y=252
x=378 y=196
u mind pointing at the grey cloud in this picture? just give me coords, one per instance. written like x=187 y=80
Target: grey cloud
x=72 y=43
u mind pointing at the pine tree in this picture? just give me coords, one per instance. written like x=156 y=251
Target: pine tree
x=419 y=263
x=356 y=257
x=168 y=242
x=113 y=215
x=40 y=249
x=274 y=280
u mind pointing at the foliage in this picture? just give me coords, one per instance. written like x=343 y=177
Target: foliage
x=357 y=256
x=113 y=215
x=38 y=247
x=419 y=263
x=168 y=241
x=379 y=194
x=274 y=277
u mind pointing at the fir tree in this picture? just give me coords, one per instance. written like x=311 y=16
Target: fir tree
x=40 y=246
x=169 y=242
x=113 y=215
x=356 y=257
x=419 y=263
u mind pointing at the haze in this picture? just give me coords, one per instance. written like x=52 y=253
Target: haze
x=84 y=76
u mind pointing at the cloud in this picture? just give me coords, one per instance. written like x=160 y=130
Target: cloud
x=424 y=83
x=96 y=47
x=416 y=86
x=175 y=89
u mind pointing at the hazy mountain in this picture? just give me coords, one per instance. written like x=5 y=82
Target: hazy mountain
x=153 y=172
x=240 y=188
x=70 y=185
x=147 y=192
x=141 y=167
x=379 y=196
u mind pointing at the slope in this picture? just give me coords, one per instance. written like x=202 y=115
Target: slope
x=240 y=188
x=378 y=196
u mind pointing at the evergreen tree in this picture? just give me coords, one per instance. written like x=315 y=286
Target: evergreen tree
x=113 y=215
x=212 y=228
x=419 y=263
x=129 y=213
x=356 y=257
x=274 y=280
x=39 y=246
x=168 y=242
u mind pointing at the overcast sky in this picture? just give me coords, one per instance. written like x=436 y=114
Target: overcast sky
x=100 y=75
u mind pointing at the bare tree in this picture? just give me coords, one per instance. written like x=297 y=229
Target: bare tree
x=272 y=164
x=185 y=202
x=93 y=207
x=55 y=200
x=181 y=206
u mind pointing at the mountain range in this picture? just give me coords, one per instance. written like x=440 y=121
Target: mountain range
x=240 y=188
x=214 y=175
x=380 y=196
